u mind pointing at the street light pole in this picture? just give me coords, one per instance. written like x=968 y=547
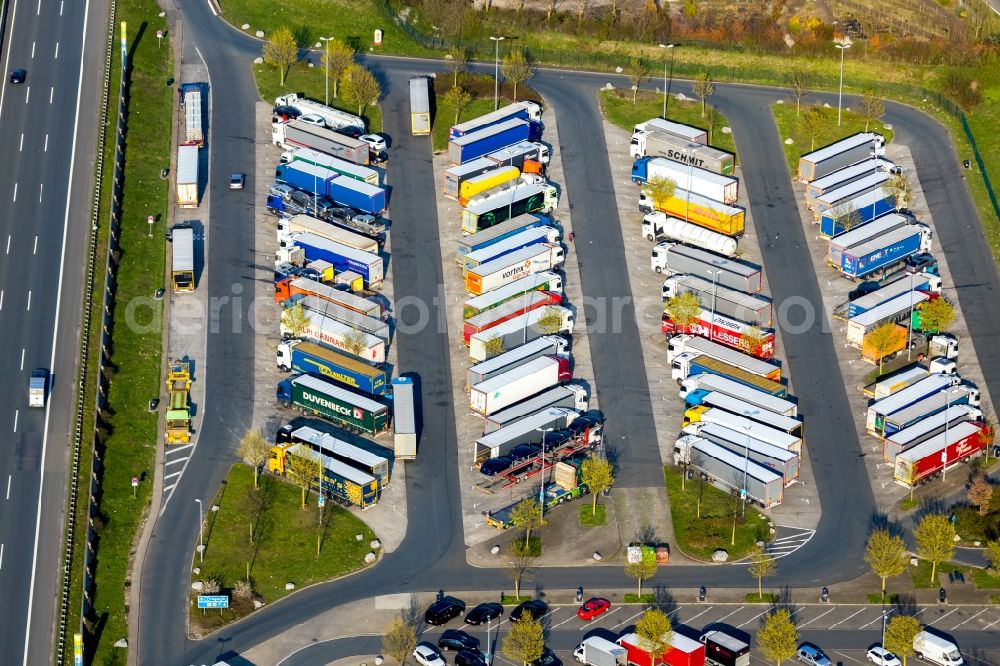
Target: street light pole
x=201 y=533
x=944 y=454
x=489 y=652
x=885 y=616
x=541 y=488
x=909 y=322
x=326 y=52
x=496 y=72
x=843 y=45
x=669 y=50
x=746 y=464
x=715 y=291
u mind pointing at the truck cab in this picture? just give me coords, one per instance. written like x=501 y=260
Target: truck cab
x=38 y=385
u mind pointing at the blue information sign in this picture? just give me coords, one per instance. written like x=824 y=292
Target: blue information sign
x=208 y=601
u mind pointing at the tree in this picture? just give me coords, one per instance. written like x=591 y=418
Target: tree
x=337 y=56
x=872 y=107
x=654 y=630
x=598 y=475
x=295 y=320
x=458 y=98
x=885 y=554
x=254 y=449
x=683 y=309
x=752 y=340
x=936 y=315
x=883 y=340
x=714 y=119
x=777 y=637
x=848 y=216
x=527 y=514
x=551 y=321
x=935 y=536
x=494 y=346
x=899 y=635
x=814 y=122
x=458 y=58
x=703 y=89
x=281 y=51
x=638 y=71
x=516 y=68
x=899 y=188
x=360 y=87
x=798 y=81
x=356 y=342
x=519 y=561
x=993 y=554
x=398 y=640
x=761 y=566
x=642 y=570
x=305 y=467
x=525 y=640
x=980 y=493
x=659 y=190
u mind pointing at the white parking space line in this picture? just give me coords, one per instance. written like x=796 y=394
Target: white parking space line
x=9 y=478
x=990 y=624
x=877 y=619
x=27 y=95
x=945 y=615
x=8 y=236
x=849 y=617
x=1 y=299
x=38 y=12
x=46 y=148
x=692 y=619
x=733 y=613
x=969 y=618
x=816 y=618
x=561 y=623
x=1 y=556
x=753 y=618
x=603 y=615
x=167 y=489
x=61 y=6
x=848 y=657
x=626 y=621
x=170 y=476
x=41 y=188
x=178 y=449
x=175 y=460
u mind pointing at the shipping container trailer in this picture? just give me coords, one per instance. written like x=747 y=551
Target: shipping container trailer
x=861 y=234
x=187 y=177
x=544 y=281
x=895 y=310
x=531 y=300
x=691 y=134
x=924 y=282
x=779 y=421
x=842 y=177
x=680 y=344
x=335 y=164
x=340 y=336
x=486 y=181
x=903 y=398
x=521 y=153
x=519 y=355
x=518 y=264
x=289 y=287
x=521 y=239
x=318 y=397
x=297 y=134
x=898 y=381
x=697 y=364
x=420 y=106
x=404 y=418
x=731 y=472
x=926 y=460
x=929 y=406
x=847 y=192
x=191 y=100
x=658 y=225
x=927 y=428
x=569 y=396
x=519 y=383
x=527 y=111
x=848 y=151
x=518 y=331
x=343 y=258
x=497 y=233
x=336 y=447
x=182 y=259
x=778 y=460
x=314 y=359
x=696 y=209
x=306 y=223
x=730 y=332
x=373 y=325
x=525 y=431
x=709 y=390
x=339 y=481
x=708 y=184
x=487 y=140
x=656 y=143
x=680 y=651
x=456 y=175
x=721 y=649
x=715 y=422
x=876 y=256
x=729 y=302
x=484 y=211
x=672 y=258
x=862 y=209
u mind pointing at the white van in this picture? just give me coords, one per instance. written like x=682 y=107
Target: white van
x=937 y=650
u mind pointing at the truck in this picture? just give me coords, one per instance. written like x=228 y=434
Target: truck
x=300 y=203
x=187 y=176
x=840 y=196
x=404 y=419
x=689 y=364
x=878 y=255
x=178 y=416
x=933 y=404
x=324 y=182
x=927 y=460
x=697 y=181
x=860 y=234
x=713 y=215
x=38 y=387
x=680 y=651
x=519 y=355
x=729 y=302
x=334 y=118
x=720 y=402
x=343 y=258
x=937 y=650
x=524 y=155
x=526 y=261
x=531 y=300
x=194 y=134
x=895 y=310
x=673 y=258
x=597 y=651
x=182 y=259
x=306 y=223
x=659 y=225
x=334 y=445
x=456 y=175
x=500 y=175
x=721 y=649
x=518 y=241
x=497 y=233
x=544 y=281
x=848 y=151
x=714 y=423
x=877 y=411
x=570 y=396
x=525 y=431
x=691 y=134
x=340 y=336
x=420 y=106
x=656 y=143
x=923 y=282
x=526 y=111
x=841 y=177
x=712 y=390
x=519 y=383
x=860 y=210
x=692 y=344
x=487 y=140
x=335 y=164
x=289 y=287
x=318 y=397
x=297 y=134
x=927 y=428
x=779 y=460
x=484 y=211
x=731 y=472
x=313 y=359
x=719 y=328
x=372 y=325
x=898 y=381
x=339 y=481
x=519 y=331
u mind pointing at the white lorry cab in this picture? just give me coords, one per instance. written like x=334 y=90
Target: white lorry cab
x=38 y=386
x=937 y=650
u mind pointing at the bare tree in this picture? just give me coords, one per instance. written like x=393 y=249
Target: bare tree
x=517 y=69
x=519 y=563
x=458 y=98
x=798 y=81
x=703 y=89
x=638 y=71
x=459 y=57
x=338 y=56
x=356 y=342
x=254 y=449
x=872 y=107
x=398 y=640
x=360 y=87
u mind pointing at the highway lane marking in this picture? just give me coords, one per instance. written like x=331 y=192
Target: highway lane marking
x=175 y=460
x=46 y=149
x=41 y=186
x=21 y=147
x=969 y=618
x=32 y=50
x=27 y=95
x=17 y=413
x=214 y=13
x=39 y=11
x=817 y=617
x=849 y=617
x=1 y=556
x=29 y=300
x=35 y=251
x=52 y=91
x=8 y=239
x=1 y=299
x=15 y=199
x=60 y=7
x=9 y=476
x=57 y=51
x=22 y=358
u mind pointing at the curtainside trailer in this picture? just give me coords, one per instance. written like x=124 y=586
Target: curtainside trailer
x=314 y=359
x=544 y=281
x=753 y=309
x=527 y=111
x=691 y=365
x=862 y=234
x=841 y=177
x=497 y=233
x=840 y=196
x=519 y=355
x=859 y=210
x=528 y=430
x=696 y=209
x=924 y=429
x=509 y=245
x=404 y=418
x=876 y=256
x=732 y=473
x=343 y=258
x=715 y=326
x=569 y=396
x=929 y=459
x=698 y=181
x=519 y=383
x=680 y=344
x=333 y=445
x=845 y=152
x=510 y=267
x=518 y=331
x=456 y=175
x=297 y=134
x=672 y=258
x=182 y=259
x=291 y=287
x=879 y=410
x=656 y=143
x=516 y=307
x=420 y=106
x=489 y=209
x=487 y=140
x=340 y=336
x=353 y=411
x=707 y=389
x=727 y=403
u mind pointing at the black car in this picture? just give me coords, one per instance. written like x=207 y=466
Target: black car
x=548 y=658
x=922 y=262
x=483 y=613
x=524 y=451
x=470 y=658
x=581 y=424
x=456 y=639
x=351 y=131
x=287 y=112
x=533 y=609
x=495 y=466
x=555 y=438
x=444 y=610
x=18 y=76
x=863 y=289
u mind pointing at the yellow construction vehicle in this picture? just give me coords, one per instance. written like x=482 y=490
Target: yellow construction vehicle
x=178 y=404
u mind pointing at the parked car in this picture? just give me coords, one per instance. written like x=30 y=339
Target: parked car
x=810 y=654
x=470 y=658
x=444 y=610
x=863 y=289
x=548 y=658
x=483 y=613
x=313 y=119
x=879 y=656
x=534 y=609
x=351 y=131
x=237 y=180
x=581 y=423
x=555 y=438
x=376 y=143
x=456 y=639
x=281 y=190
x=523 y=452
x=286 y=113
x=495 y=466
x=921 y=262
x=427 y=654
x=593 y=607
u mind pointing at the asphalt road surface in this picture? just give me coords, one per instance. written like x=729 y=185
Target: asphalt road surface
x=46 y=177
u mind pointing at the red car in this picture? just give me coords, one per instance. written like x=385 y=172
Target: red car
x=593 y=607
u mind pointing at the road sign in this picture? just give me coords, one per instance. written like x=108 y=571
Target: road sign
x=743 y=493
x=78 y=649
x=321 y=501
x=213 y=601
x=135 y=481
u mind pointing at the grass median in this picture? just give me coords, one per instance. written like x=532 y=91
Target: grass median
x=790 y=126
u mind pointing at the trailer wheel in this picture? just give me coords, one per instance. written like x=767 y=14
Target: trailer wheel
x=965 y=459
x=657 y=269
x=284 y=368
x=650 y=237
x=285 y=405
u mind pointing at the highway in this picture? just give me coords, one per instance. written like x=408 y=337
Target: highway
x=432 y=555
x=48 y=140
